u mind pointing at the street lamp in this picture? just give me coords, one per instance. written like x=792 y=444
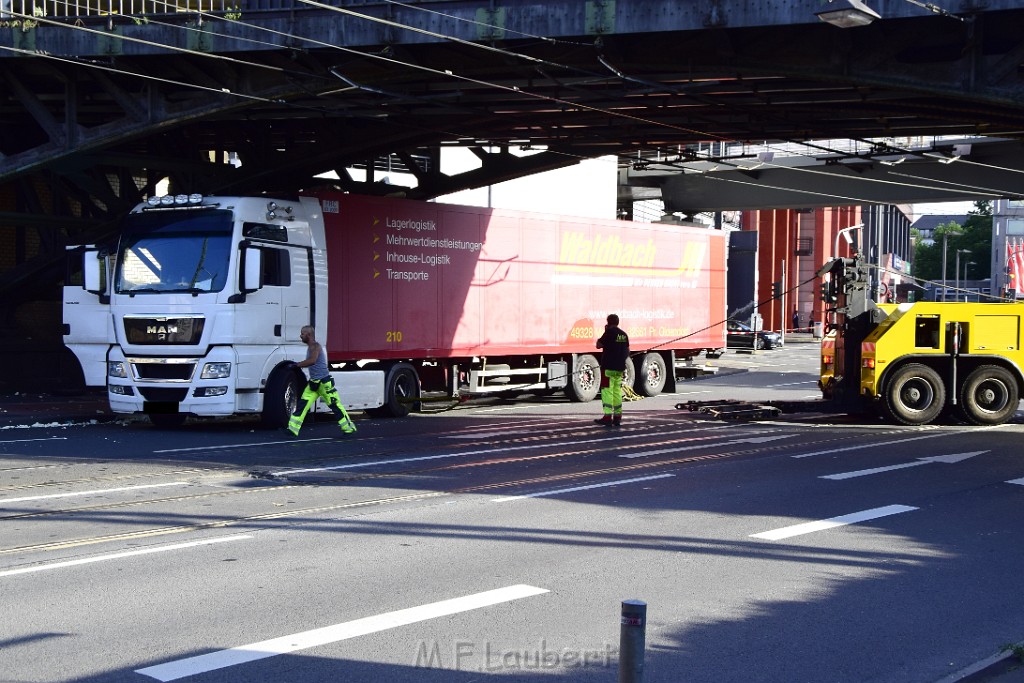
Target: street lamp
x=968 y=263
x=848 y=14
x=852 y=13
x=845 y=234
x=956 y=270
x=945 y=270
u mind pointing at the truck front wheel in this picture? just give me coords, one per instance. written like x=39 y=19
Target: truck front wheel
x=915 y=395
x=281 y=396
x=989 y=396
x=653 y=372
x=585 y=382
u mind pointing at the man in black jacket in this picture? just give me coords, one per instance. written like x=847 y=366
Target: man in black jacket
x=614 y=345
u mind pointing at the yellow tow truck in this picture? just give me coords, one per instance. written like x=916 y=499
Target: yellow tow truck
x=913 y=362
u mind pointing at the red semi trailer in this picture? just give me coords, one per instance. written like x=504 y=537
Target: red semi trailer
x=482 y=300
x=408 y=297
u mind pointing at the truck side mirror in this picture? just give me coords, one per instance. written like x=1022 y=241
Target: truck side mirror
x=92 y=273
x=252 y=269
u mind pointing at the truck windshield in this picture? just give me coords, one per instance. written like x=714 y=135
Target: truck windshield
x=174 y=251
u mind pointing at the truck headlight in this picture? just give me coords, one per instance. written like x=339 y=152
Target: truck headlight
x=216 y=371
x=117 y=368
x=210 y=391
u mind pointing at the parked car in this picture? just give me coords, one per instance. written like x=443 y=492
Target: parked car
x=741 y=336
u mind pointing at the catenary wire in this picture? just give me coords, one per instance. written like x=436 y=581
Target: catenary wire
x=447 y=73
x=984 y=193
x=444 y=73
x=150 y=43
x=102 y=67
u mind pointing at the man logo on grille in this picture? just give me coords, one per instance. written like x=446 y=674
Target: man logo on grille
x=161 y=331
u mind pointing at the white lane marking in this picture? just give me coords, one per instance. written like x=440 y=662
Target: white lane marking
x=482 y=451
x=821 y=525
x=465 y=432
x=949 y=459
x=580 y=488
x=1019 y=482
x=94 y=492
x=518 y=432
x=755 y=439
x=51 y=438
x=241 y=445
x=212 y=661
x=118 y=556
x=505 y=408
x=876 y=444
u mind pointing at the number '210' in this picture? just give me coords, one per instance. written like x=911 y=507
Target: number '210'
x=393 y=336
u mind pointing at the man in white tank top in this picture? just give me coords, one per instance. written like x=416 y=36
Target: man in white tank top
x=320 y=384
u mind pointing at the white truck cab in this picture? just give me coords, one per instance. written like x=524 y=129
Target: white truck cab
x=198 y=310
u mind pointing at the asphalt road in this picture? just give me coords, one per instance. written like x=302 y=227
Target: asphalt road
x=497 y=541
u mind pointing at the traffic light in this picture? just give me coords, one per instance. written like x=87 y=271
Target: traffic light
x=776 y=290
x=828 y=295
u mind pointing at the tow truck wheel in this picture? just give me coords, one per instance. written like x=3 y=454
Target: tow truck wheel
x=585 y=382
x=651 y=379
x=915 y=395
x=989 y=396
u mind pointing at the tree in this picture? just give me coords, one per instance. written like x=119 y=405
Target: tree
x=975 y=235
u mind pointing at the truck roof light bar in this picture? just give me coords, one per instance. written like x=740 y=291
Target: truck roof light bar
x=175 y=200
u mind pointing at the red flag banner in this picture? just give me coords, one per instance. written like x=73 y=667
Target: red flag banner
x=1015 y=263
x=1011 y=270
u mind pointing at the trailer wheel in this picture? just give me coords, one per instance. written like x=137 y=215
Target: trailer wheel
x=585 y=382
x=915 y=395
x=400 y=393
x=281 y=396
x=628 y=375
x=989 y=396
x=650 y=381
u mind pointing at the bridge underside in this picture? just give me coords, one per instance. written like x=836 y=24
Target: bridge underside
x=93 y=118
x=964 y=170
x=335 y=91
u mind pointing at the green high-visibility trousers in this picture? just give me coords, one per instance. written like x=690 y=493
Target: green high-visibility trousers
x=611 y=395
x=326 y=390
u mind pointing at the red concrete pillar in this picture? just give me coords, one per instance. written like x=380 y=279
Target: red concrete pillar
x=766 y=229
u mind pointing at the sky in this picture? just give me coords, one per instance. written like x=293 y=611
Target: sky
x=939 y=208
x=586 y=189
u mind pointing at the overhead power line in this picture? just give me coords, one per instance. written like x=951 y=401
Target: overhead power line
x=569 y=105
x=102 y=67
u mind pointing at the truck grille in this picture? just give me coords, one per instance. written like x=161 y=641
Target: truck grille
x=169 y=370
x=163 y=331
x=160 y=395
